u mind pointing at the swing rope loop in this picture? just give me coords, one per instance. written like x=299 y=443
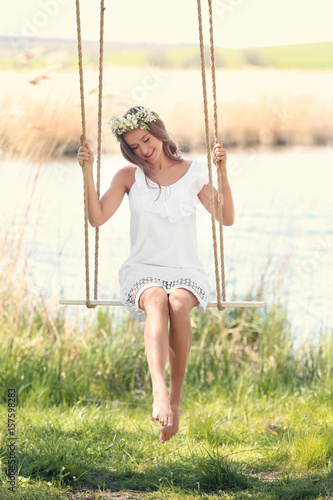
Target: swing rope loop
x=209 y=160
x=99 y=136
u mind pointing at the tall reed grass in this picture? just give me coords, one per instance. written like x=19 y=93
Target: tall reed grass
x=42 y=119
x=51 y=357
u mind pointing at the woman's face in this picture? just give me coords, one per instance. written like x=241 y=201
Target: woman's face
x=144 y=144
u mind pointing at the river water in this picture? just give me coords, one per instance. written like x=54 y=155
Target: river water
x=283 y=230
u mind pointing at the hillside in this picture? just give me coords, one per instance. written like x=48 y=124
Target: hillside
x=17 y=53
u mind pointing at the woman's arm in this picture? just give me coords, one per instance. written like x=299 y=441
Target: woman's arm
x=100 y=210
x=220 y=156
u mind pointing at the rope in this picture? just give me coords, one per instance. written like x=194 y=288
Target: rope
x=99 y=137
x=207 y=134
x=84 y=167
x=219 y=179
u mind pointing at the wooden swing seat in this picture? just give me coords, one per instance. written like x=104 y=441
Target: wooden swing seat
x=99 y=302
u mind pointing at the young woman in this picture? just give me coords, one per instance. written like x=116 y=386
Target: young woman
x=163 y=278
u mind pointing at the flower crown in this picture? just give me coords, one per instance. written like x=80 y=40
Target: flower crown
x=138 y=119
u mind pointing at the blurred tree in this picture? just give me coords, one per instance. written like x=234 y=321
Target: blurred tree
x=158 y=57
x=253 y=57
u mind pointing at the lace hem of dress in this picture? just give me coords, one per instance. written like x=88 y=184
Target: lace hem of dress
x=167 y=285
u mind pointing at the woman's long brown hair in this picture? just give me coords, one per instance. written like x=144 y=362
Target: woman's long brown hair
x=158 y=130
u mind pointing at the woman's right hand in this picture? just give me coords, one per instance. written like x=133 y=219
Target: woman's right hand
x=85 y=154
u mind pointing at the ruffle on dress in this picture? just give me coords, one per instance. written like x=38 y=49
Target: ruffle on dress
x=177 y=200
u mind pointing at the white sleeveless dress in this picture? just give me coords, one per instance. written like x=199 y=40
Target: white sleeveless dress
x=163 y=239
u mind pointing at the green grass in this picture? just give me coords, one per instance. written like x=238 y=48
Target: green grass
x=256 y=418
x=6 y=63
x=300 y=56
x=278 y=451
x=133 y=58
x=304 y=56
x=310 y=56
x=232 y=352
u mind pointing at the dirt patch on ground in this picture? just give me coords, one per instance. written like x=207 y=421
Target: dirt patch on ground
x=98 y=495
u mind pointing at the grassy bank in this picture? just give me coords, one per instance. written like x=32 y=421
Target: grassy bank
x=54 y=355
x=236 y=349
x=311 y=56
x=40 y=54
x=256 y=422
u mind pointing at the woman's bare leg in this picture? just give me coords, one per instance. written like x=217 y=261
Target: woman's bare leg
x=181 y=302
x=154 y=301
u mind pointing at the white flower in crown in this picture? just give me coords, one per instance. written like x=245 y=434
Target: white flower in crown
x=138 y=119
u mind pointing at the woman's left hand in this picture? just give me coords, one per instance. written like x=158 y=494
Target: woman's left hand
x=219 y=155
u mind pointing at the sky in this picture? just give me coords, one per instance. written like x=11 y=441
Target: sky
x=237 y=23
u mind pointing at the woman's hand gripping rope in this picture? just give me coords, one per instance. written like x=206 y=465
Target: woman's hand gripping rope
x=219 y=155
x=85 y=154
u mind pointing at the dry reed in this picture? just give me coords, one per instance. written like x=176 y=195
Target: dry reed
x=42 y=118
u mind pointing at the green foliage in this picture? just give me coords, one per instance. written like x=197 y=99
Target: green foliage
x=302 y=56
x=111 y=447
x=132 y=58
x=257 y=413
x=308 y=56
x=238 y=353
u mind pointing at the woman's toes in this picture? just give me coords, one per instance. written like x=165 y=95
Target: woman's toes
x=163 y=435
x=170 y=430
x=162 y=412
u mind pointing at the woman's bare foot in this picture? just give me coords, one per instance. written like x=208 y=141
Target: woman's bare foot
x=162 y=411
x=167 y=432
